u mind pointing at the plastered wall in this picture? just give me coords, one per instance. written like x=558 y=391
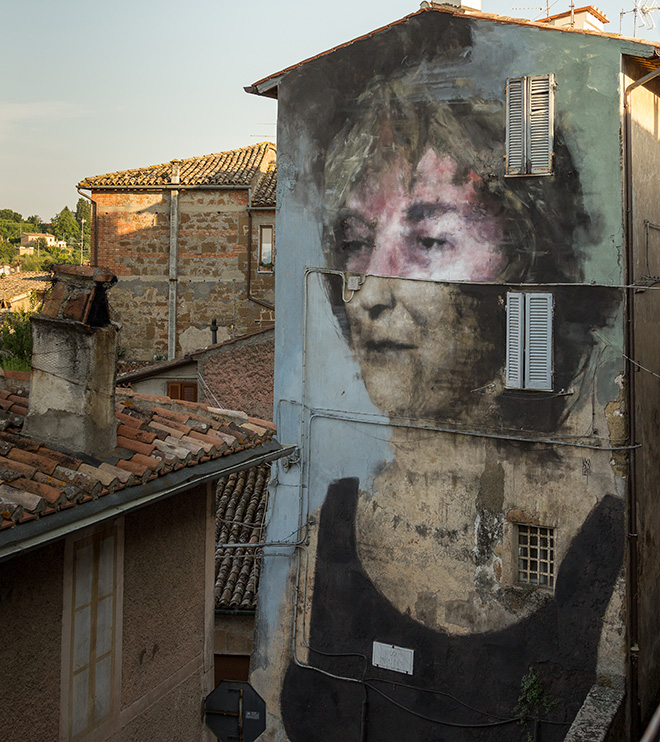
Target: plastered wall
x=31 y=615
x=166 y=656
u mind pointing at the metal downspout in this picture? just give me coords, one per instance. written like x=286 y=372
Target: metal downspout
x=629 y=329
x=174 y=249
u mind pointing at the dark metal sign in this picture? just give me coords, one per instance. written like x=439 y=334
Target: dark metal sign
x=235 y=712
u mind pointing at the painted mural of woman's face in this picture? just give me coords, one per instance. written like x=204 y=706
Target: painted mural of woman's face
x=416 y=340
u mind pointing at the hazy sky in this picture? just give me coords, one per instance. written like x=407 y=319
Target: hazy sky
x=90 y=87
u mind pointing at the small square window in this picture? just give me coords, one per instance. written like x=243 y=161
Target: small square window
x=536 y=555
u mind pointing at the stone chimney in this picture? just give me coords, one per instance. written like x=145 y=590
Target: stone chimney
x=74 y=349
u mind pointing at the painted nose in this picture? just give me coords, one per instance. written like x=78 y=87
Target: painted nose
x=386 y=257
x=376 y=297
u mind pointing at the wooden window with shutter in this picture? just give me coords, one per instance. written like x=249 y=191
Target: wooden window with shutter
x=186 y=390
x=93 y=633
x=529 y=340
x=530 y=125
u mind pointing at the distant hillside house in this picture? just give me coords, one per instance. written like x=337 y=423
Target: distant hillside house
x=29 y=241
x=192 y=241
x=22 y=290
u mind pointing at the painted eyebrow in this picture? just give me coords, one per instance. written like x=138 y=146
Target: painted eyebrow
x=347 y=216
x=420 y=211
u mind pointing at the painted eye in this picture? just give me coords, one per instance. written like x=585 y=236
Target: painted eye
x=353 y=246
x=431 y=243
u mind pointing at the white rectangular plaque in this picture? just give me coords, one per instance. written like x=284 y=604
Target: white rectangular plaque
x=391 y=657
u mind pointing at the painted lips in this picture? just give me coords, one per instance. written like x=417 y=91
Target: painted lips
x=387 y=346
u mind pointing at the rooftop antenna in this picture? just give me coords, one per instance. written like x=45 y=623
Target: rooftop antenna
x=641 y=11
x=538 y=7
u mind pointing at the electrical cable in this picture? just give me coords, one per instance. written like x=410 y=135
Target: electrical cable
x=408 y=710
x=631 y=360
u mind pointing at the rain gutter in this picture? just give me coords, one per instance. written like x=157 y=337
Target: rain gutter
x=32 y=535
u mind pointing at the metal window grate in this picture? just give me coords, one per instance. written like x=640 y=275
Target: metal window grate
x=536 y=556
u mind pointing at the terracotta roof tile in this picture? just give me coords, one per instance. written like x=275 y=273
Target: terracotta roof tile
x=140 y=471
x=171 y=424
x=107 y=477
x=36 y=480
x=16 y=285
x=133 y=445
x=264 y=194
x=237 y=167
x=241 y=501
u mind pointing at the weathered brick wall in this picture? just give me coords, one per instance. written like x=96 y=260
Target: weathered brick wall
x=133 y=235
x=240 y=375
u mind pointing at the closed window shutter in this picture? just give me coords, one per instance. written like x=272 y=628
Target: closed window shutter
x=541 y=115
x=174 y=390
x=189 y=391
x=538 y=341
x=515 y=126
x=514 y=339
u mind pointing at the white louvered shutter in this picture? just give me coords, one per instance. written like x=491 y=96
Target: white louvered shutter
x=538 y=341
x=515 y=125
x=541 y=124
x=514 y=339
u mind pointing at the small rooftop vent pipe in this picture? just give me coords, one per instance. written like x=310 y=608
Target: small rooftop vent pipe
x=74 y=347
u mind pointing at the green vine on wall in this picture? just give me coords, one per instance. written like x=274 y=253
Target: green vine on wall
x=532 y=699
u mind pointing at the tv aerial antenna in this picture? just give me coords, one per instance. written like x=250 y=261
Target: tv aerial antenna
x=641 y=15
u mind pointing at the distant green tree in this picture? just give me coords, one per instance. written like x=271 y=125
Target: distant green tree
x=8 y=253
x=40 y=246
x=34 y=262
x=12 y=216
x=65 y=227
x=10 y=230
x=84 y=211
x=57 y=254
x=16 y=338
x=35 y=222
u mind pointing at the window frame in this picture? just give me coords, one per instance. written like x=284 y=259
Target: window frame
x=267 y=266
x=530 y=113
x=529 y=341
x=550 y=558
x=178 y=390
x=73 y=629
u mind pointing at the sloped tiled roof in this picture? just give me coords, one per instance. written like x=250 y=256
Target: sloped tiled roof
x=267 y=86
x=237 y=167
x=149 y=369
x=264 y=194
x=17 y=284
x=156 y=435
x=241 y=501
